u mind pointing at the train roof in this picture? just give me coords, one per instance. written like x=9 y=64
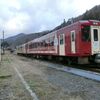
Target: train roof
x=53 y=33
x=89 y=21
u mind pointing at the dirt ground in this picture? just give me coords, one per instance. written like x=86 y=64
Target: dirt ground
x=11 y=88
x=47 y=83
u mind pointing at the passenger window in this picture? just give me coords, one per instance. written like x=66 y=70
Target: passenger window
x=61 y=39
x=73 y=36
x=95 y=32
x=85 y=33
x=51 y=41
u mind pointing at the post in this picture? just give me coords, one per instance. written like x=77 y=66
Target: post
x=0 y=50
x=3 y=42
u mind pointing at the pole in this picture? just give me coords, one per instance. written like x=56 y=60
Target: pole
x=0 y=50
x=3 y=42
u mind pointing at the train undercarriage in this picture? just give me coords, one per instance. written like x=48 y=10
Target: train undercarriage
x=66 y=59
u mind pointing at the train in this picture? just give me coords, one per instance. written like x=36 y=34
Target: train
x=78 y=42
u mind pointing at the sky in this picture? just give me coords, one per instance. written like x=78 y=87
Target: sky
x=29 y=16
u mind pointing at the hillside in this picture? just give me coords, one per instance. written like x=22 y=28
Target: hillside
x=23 y=38
x=92 y=14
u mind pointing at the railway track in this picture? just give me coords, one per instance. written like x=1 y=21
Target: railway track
x=88 y=67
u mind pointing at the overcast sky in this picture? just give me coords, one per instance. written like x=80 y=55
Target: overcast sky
x=27 y=16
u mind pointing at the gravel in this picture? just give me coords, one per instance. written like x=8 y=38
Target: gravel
x=75 y=85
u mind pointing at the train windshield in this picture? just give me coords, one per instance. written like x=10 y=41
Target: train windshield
x=85 y=33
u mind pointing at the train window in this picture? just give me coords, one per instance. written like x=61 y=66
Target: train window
x=38 y=44
x=73 y=36
x=33 y=45
x=30 y=46
x=47 y=42
x=43 y=43
x=85 y=33
x=61 y=39
x=95 y=32
x=51 y=41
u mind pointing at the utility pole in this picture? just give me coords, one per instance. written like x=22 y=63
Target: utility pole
x=0 y=50
x=3 y=42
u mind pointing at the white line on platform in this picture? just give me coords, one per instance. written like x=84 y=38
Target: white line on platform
x=33 y=95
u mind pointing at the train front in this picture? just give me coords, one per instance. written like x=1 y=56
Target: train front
x=95 y=40
x=91 y=39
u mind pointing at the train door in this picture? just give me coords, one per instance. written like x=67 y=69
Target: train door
x=73 y=47
x=95 y=39
x=62 y=44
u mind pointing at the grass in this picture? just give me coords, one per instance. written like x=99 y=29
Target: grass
x=42 y=88
x=5 y=76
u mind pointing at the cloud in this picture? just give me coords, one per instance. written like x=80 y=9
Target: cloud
x=17 y=16
x=19 y=22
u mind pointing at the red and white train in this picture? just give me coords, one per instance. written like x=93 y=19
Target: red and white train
x=78 y=42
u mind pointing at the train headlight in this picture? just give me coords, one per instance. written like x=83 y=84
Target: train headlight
x=95 y=23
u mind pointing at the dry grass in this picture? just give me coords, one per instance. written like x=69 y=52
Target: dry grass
x=11 y=87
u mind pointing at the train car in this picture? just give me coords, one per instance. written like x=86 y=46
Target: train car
x=78 y=42
x=21 y=49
